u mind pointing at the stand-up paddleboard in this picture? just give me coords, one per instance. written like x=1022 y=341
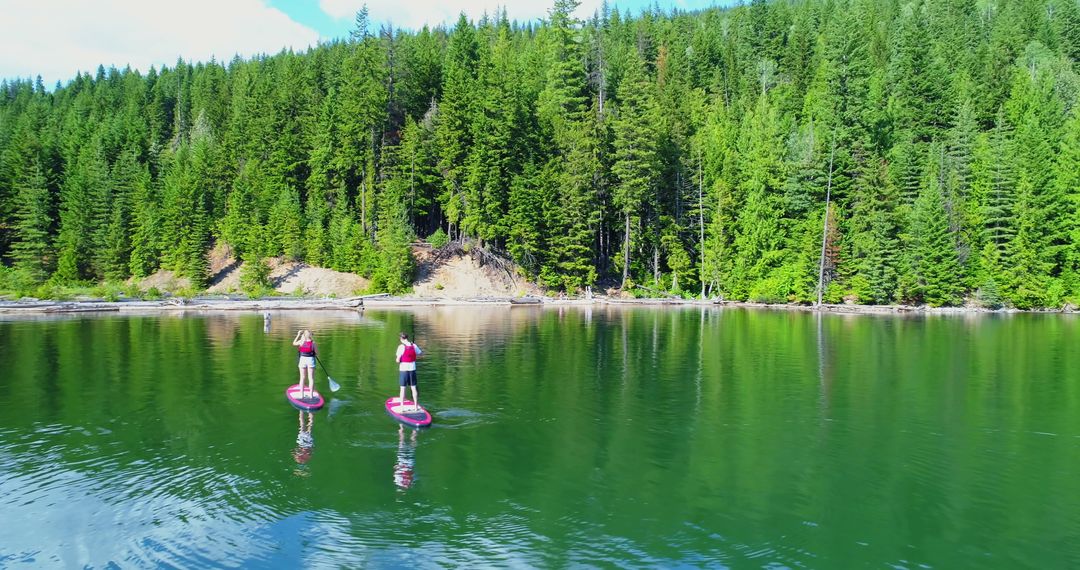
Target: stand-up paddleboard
x=313 y=402
x=418 y=418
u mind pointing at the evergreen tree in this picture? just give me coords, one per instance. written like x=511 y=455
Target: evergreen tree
x=759 y=236
x=395 y=270
x=1067 y=182
x=456 y=113
x=287 y=225
x=932 y=255
x=31 y=249
x=635 y=152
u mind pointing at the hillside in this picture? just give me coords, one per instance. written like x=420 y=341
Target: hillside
x=451 y=272
x=923 y=152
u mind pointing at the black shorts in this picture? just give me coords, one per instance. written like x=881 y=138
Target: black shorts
x=407 y=378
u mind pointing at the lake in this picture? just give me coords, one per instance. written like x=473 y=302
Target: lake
x=573 y=436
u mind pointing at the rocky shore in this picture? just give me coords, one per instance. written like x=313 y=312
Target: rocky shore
x=359 y=303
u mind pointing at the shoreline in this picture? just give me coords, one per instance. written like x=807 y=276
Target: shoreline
x=209 y=303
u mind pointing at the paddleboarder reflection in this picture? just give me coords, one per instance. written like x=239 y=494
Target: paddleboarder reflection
x=304 y=443
x=406 y=456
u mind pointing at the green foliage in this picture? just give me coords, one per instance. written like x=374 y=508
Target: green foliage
x=438 y=238
x=683 y=150
x=395 y=267
x=254 y=272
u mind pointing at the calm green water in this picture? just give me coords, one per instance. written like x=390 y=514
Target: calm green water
x=572 y=437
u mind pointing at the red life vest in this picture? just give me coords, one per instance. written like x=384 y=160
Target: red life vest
x=307 y=348
x=409 y=354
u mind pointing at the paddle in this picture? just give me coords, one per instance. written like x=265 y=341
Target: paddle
x=334 y=386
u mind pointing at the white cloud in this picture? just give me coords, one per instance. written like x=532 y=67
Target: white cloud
x=56 y=38
x=413 y=14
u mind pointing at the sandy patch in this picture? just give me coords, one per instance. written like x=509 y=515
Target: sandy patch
x=302 y=279
x=163 y=280
x=287 y=277
x=457 y=274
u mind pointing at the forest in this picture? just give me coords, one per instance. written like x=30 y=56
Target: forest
x=927 y=151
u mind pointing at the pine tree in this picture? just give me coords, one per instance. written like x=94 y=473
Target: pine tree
x=489 y=163
x=934 y=266
x=527 y=224
x=759 y=236
x=717 y=138
x=31 y=249
x=1035 y=253
x=316 y=244
x=635 y=150
x=81 y=212
x=286 y=221
x=871 y=245
x=115 y=250
x=1067 y=182
x=456 y=113
x=395 y=269
x=146 y=229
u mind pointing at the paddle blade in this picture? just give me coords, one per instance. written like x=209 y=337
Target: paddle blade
x=334 y=386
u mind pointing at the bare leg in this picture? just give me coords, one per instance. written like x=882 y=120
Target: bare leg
x=401 y=397
x=415 y=400
x=311 y=382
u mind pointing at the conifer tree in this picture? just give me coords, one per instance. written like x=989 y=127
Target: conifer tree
x=934 y=267
x=395 y=269
x=759 y=236
x=31 y=250
x=287 y=225
x=635 y=150
x=456 y=113
x=1067 y=182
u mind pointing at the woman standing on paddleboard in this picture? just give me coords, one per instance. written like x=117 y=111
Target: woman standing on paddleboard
x=406 y=358
x=306 y=345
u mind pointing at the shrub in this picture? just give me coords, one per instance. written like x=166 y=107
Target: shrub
x=988 y=296
x=438 y=238
x=18 y=281
x=772 y=289
x=255 y=278
x=53 y=292
x=186 y=292
x=132 y=291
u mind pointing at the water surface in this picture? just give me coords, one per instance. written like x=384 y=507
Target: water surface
x=698 y=437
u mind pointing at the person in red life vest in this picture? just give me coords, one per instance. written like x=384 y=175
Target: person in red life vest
x=306 y=345
x=406 y=358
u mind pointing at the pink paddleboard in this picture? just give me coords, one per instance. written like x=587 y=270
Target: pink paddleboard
x=406 y=414
x=313 y=401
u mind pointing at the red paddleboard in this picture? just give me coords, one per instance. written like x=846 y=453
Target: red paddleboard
x=408 y=414
x=313 y=401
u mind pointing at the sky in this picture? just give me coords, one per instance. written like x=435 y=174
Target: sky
x=57 y=38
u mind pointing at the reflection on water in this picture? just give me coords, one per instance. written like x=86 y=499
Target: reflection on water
x=406 y=458
x=573 y=436
x=305 y=442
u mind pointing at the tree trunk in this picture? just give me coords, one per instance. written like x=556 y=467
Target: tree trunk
x=701 y=228
x=656 y=265
x=626 y=252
